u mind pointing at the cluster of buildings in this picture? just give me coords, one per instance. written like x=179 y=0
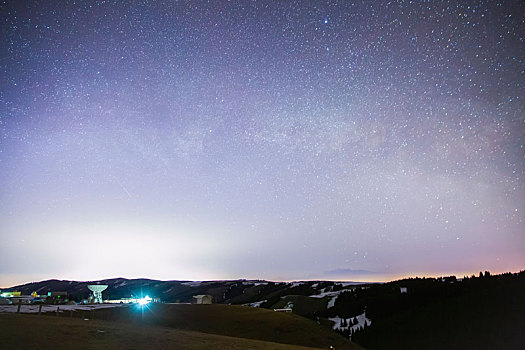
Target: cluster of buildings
x=16 y=297
x=58 y=298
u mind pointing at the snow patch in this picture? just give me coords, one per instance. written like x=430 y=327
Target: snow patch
x=253 y=283
x=331 y=303
x=326 y=294
x=289 y=305
x=192 y=283
x=360 y=322
x=256 y=304
x=347 y=284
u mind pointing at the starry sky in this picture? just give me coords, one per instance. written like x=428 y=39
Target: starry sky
x=284 y=140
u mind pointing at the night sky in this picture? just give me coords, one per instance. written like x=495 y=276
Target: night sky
x=284 y=140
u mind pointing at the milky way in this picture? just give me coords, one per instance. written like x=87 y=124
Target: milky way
x=260 y=139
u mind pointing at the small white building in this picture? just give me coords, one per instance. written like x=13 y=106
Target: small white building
x=286 y=309
x=403 y=290
x=202 y=299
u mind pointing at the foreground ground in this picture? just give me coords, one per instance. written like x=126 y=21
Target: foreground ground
x=167 y=326
x=238 y=321
x=49 y=332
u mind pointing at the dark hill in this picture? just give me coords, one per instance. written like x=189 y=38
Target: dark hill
x=242 y=322
x=483 y=312
x=476 y=313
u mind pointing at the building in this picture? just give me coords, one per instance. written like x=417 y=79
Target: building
x=202 y=299
x=287 y=309
x=57 y=298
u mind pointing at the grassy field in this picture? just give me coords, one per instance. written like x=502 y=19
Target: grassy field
x=57 y=333
x=243 y=322
x=180 y=326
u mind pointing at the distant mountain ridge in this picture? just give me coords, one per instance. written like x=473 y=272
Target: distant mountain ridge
x=477 y=312
x=223 y=291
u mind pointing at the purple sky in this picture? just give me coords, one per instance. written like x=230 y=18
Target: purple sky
x=286 y=140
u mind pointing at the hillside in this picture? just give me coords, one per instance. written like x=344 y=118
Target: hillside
x=227 y=292
x=242 y=322
x=484 y=312
x=225 y=320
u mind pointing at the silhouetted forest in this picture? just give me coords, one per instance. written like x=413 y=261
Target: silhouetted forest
x=485 y=312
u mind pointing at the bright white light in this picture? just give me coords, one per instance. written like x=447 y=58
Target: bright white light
x=145 y=300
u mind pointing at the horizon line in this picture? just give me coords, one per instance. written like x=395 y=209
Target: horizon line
x=407 y=276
